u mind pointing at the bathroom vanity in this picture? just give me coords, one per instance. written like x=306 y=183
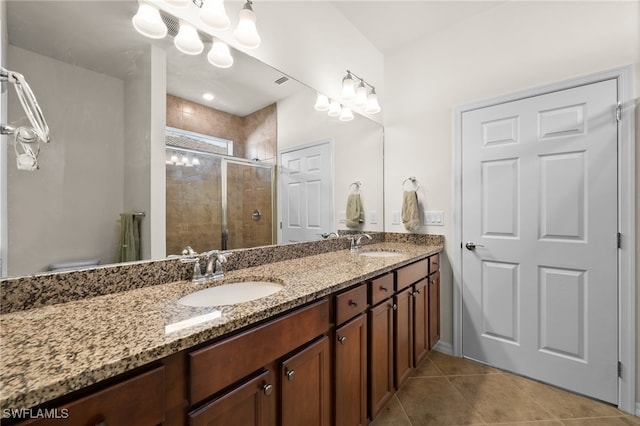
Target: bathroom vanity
x=330 y=348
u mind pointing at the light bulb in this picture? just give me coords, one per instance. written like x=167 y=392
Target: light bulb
x=188 y=41
x=214 y=15
x=247 y=34
x=178 y=3
x=346 y=114
x=195 y=161
x=148 y=21
x=334 y=109
x=322 y=103
x=185 y=160
x=348 y=87
x=373 y=107
x=174 y=158
x=219 y=55
x=361 y=94
x=208 y=96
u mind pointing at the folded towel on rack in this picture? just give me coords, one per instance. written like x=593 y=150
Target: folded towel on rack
x=129 y=247
x=410 y=215
x=355 y=212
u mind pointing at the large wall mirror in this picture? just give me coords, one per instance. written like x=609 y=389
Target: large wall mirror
x=89 y=70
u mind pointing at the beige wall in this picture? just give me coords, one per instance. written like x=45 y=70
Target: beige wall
x=81 y=167
x=511 y=47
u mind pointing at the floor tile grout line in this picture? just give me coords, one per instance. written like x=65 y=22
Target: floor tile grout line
x=402 y=407
x=484 y=422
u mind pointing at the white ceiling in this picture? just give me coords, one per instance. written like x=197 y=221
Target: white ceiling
x=98 y=35
x=392 y=24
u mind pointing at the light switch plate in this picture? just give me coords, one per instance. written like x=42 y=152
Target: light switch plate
x=434 y=218
x=373 y=217
x=342 y=217
x=395 y=217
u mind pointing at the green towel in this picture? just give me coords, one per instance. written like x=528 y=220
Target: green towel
x=355 y=212
x=129 y=247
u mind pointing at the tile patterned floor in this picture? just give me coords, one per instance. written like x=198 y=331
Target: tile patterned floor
x=449 y=391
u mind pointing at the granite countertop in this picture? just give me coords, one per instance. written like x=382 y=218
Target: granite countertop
x=50 y=351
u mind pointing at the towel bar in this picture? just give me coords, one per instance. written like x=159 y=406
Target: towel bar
x=413 y=180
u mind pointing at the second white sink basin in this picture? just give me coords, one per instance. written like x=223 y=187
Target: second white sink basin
x=379 y=253
x=231 y=294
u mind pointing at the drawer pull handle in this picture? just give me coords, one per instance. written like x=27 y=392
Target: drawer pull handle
x=291 y=374
x=353 y=303
x=342 y=340
x=267 y=389
x=384 y=289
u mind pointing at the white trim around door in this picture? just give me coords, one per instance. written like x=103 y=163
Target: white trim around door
x=626 y=219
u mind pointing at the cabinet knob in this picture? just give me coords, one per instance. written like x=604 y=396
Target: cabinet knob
x=291 y=374
x=267 y=389
x=353 y=303
x=342 y=340
x=394 y=307
x=417 y=291
x=383 y=289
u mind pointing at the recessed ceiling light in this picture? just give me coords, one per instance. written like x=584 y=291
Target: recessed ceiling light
x=208 y=96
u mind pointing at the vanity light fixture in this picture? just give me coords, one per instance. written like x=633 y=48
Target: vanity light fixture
x=335 y=109
x=322 y=103
x=361 y=94
x=219 y=55
x=148 y=21
x=188 y=41
x=348 y=87
x=195 y=161
x=346 y=114
x=246 y=33
x=373 y=107
x=174 y=159
x=214 y=15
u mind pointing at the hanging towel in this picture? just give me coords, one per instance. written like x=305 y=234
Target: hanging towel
x=355 y=213
x=410 y=216
x=129 y=248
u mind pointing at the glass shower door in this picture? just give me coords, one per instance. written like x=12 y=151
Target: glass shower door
x=247 y=204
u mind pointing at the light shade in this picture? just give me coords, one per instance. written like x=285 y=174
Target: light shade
x=219 y=55
x=178 y=3
x=373 y=107
x=361 y=95
x=334 y=109
x=348 y=87
x=148 y=21
x=346 y=114
x=214 y=15
x=322 y=103
x=188 y=41
x=208 y=96
x=247 y=34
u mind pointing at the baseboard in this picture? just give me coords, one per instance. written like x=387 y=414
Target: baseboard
x=444 y=347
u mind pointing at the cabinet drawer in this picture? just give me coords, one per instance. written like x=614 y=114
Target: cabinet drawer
x=380 y=288
x=409 y=274
x=434 y=263
x=223 y=363
x=351 y=303
x=136 y=401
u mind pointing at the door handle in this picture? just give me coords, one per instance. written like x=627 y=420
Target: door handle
x=472 y=246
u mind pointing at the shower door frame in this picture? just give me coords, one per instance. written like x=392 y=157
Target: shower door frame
x=224 y=232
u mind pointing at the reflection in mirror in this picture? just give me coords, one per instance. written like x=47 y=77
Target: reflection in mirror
x=96 y=82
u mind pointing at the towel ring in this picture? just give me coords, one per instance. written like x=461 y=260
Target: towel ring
x=355 y=190
x=413 y=180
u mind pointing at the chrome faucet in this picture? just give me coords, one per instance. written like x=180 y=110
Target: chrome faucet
x=328 y=235
x=356 y=240
x=215 y=259
x=190 y=256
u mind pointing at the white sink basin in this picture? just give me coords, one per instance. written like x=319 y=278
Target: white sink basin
x=379 y=253
x=230 y=294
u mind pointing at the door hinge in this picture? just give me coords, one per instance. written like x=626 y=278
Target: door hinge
x=619 y=111
x=280 y=225
x=619 y=369
x=619 y=240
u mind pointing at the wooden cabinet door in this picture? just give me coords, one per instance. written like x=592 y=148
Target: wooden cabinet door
x=306 y=386
x=434 y=309
x=380 y=356
x=252 y=403
x=420 y=320
x=403 y=335
x=351 y=373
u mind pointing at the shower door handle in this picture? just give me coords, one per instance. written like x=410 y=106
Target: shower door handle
x=225 y=238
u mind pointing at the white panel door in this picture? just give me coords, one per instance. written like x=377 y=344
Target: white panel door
x=539 y=188
x=306 y=198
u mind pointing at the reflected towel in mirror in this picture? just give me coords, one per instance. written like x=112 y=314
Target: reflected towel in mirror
x=355 y=212
x=129 y=247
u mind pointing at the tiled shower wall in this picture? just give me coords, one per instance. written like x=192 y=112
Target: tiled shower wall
x=194 y=211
